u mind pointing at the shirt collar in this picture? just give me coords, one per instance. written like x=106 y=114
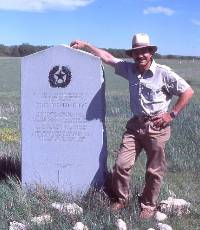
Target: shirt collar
x=152 y=68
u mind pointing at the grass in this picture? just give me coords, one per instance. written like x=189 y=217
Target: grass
x=183 y=157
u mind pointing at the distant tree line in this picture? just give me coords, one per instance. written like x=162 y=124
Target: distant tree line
x=120 y=53
x=19 y=50
x=26 y=49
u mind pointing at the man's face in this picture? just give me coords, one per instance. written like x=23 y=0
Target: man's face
x=142 y=57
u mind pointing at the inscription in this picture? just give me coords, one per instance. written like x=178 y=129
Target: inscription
x=61 y=125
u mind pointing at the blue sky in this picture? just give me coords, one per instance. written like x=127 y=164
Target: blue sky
x=173 y=25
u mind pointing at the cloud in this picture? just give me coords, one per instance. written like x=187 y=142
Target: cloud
x=159 y=10
x=41 y=5
x=196 y=22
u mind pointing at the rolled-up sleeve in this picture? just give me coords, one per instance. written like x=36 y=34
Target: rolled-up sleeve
x=121 y=69
x=175 y=84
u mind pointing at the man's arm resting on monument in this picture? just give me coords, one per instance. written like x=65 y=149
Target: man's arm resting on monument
x=105 y=56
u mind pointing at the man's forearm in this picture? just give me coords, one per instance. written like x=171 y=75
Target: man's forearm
x=104 y=55
x=183 y=100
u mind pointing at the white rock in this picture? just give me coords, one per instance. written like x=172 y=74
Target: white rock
x=58 y=206
x=44 y=219
x=172 y=194
x=178 y=207
x=71 y=209
x=80 y=226
x=159 y=216
x=161 y=226
x=120 y=224
x=3 y=118
x=150 y=229
x=17 y=226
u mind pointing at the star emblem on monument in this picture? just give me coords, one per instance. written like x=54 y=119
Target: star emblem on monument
x=59 y=76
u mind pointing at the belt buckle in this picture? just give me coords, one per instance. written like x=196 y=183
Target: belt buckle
x=140 y=118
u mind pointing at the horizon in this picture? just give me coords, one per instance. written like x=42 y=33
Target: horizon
x=48 y=46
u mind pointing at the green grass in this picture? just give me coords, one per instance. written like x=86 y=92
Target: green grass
x=183 y=156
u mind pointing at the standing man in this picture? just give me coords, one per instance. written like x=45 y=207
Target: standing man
x=151 y=87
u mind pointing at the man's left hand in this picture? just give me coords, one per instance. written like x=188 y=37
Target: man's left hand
x=162 y=120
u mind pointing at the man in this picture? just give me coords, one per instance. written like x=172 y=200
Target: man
x=151 y=87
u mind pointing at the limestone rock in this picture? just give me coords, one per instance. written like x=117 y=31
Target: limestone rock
x=159 y=216
x=80 y=226
x=120 y=224
x=3 y=118
x=68 y=208
x=177 y=207
x=44 y=219
x=161 y=226
x=17 y=226
x=172 y=194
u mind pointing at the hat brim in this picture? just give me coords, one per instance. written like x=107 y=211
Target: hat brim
x=130 y=51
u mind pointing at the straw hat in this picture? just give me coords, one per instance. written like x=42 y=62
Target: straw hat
x=140 y=40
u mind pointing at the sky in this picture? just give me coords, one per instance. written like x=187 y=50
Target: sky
x=173 y=25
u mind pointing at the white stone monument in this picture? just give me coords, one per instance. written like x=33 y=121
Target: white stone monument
x=63 y=111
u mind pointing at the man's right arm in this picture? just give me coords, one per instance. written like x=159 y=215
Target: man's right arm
x=105 y=56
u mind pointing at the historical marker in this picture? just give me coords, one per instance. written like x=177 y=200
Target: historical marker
x=63 y=111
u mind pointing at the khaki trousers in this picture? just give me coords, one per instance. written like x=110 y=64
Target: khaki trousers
x=141 y=135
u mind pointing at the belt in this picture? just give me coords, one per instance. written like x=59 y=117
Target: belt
x=142 y=118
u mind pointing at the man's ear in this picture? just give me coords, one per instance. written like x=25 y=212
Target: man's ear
x=151 y=51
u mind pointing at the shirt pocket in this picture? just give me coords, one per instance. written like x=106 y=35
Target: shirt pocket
x=151 y=93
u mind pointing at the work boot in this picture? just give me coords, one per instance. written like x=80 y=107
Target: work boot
x=147 y=213
x=117 y=206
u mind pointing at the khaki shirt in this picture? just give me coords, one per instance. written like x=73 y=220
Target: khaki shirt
x=151 y=93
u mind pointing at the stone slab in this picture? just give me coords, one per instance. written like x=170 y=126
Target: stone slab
x=63 y=113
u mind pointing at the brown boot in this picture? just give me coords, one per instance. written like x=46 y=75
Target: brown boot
x=147 y=213
x=117 y=206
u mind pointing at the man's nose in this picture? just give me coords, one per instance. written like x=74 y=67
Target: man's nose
x=140 y=54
